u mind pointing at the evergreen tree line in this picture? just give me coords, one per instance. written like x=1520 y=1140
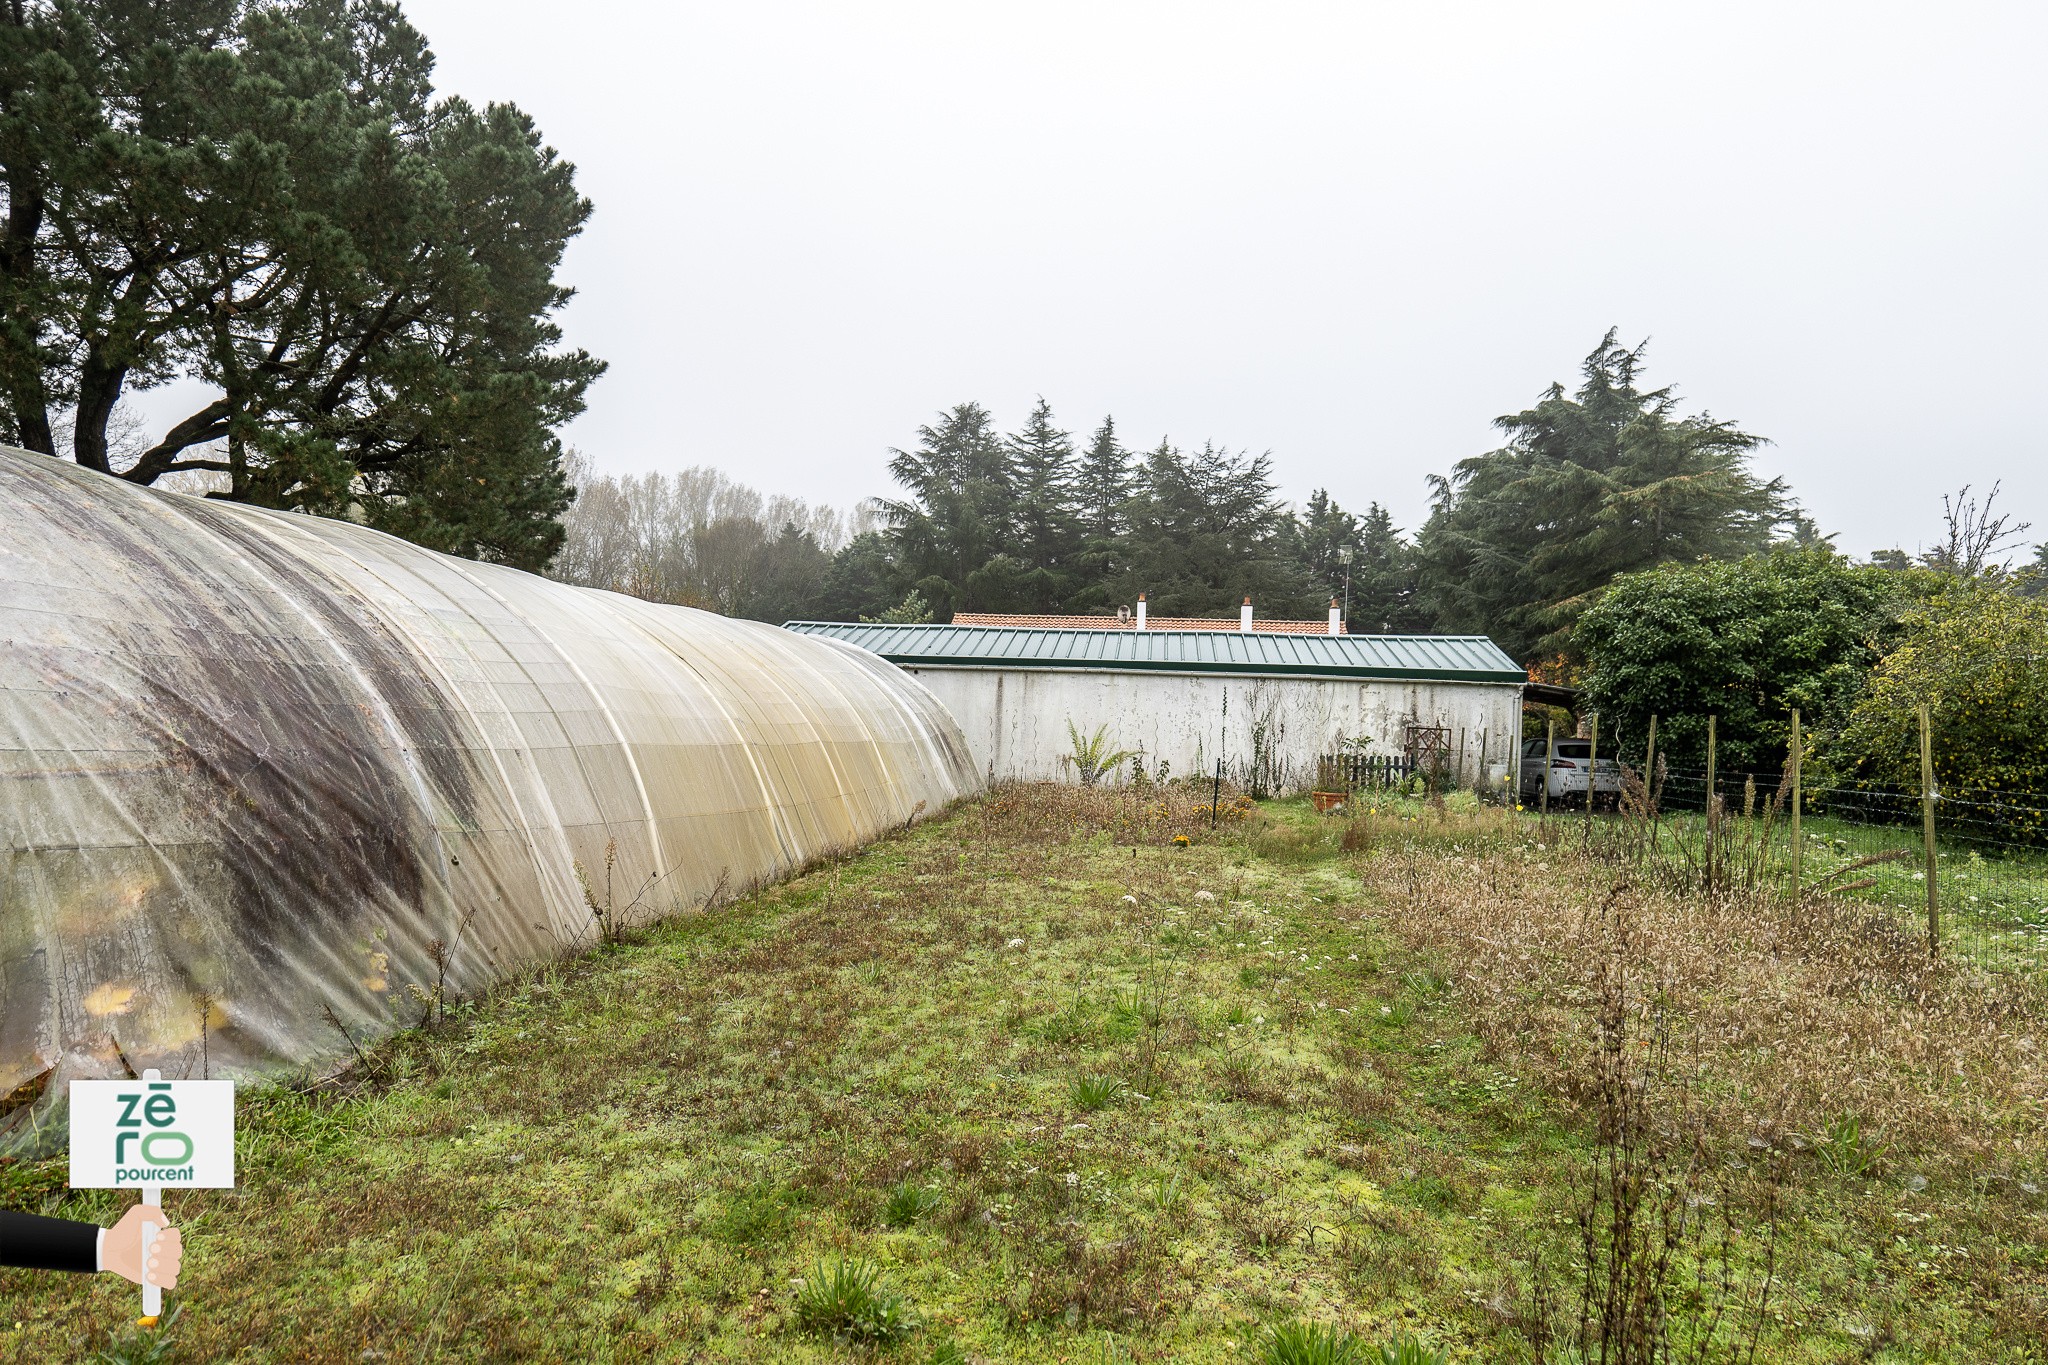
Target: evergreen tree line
x=1029 y=522
x=1036 y=521
x=1606 y=479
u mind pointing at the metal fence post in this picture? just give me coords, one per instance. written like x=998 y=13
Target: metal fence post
x=1798 y=847
x=1927 y=823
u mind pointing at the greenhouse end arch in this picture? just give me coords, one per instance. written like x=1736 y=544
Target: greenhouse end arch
x=259 y=767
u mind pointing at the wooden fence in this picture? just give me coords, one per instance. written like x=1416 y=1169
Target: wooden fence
x=1348 y=772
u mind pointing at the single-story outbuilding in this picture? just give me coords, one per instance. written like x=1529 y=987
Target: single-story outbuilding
x=1266 y=705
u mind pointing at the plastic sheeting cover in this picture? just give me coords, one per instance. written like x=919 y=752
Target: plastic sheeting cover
x=256 y=766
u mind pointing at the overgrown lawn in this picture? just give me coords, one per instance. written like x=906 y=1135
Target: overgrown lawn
x=1034 y=1083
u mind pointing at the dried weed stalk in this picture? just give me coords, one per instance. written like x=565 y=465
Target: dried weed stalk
x=1651 y=1219
x=1799 y=1014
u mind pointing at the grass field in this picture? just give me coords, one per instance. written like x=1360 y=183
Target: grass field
x=1032 y=1082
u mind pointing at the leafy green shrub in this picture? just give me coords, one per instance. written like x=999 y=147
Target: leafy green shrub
x=1745 y=640
x=1095 y=1092
x=1311 y=1343
x=1977 y=657
x=907 y=1203
x=850 y=1301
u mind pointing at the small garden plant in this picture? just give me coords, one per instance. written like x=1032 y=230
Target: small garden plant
x=850 y=1301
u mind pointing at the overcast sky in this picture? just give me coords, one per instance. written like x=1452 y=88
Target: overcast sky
x=1351 y=234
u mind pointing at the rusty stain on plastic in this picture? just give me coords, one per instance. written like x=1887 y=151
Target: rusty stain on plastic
x=245 y=755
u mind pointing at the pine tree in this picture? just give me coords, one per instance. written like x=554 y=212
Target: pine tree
x=1103 y=484
x=1103 y=488
x=268 y=200
x=1048 y=538
x=1386 y=584
x=1207 y=529
x=1609 y=480
x=1377 y=586
x=950 y=537
x=1329 y=539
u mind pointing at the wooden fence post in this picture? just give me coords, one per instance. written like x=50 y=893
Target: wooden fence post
x=1514 y=792
x=1549 y=762
x=1927 y=822
x=1592 y=778
x=1650 y=762
x=1650 y=791
x=1712 y=726
x=1798 y=847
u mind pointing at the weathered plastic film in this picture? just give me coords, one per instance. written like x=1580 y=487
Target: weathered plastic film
x=257 y=768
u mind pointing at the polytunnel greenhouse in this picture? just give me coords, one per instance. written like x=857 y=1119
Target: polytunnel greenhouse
x=259 y=767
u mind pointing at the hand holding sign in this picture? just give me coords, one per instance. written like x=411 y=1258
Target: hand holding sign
x=122 y=1251
x=148 y=1135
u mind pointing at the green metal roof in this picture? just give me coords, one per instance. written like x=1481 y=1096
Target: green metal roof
x=1447 y=658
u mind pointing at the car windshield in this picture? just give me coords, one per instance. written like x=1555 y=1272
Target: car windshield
x=1575 y=748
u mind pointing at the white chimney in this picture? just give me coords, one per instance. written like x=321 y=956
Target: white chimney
x=1336 y=621
x=1141 y=611
x=1244 y=617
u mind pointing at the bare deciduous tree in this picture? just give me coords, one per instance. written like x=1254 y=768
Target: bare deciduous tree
x=1974 y=537
x=698 y=538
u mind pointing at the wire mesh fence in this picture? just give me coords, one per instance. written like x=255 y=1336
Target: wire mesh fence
x=1977 y=887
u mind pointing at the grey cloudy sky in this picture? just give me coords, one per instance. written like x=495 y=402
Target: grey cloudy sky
x=1350 y=233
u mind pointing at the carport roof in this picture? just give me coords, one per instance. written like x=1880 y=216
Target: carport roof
x=1442 y=658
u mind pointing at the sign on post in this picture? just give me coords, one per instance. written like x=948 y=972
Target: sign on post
x=150 y=1135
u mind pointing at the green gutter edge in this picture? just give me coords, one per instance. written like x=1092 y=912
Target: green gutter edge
x=1230 y=669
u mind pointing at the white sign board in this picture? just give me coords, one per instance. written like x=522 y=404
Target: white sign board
x=176 y=1135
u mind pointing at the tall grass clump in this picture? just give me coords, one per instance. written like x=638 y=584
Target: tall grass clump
x=907 y=1203
x=851 y=1302
x=1407 y=1350
x=1096 y=1092
x=1311 y=1343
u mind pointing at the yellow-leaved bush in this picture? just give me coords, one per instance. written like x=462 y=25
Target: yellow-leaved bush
x=1977 y=656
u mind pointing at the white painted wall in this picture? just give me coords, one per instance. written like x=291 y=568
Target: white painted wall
x=1015 y=720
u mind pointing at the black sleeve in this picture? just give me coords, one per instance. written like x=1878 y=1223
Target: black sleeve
x=34 y=1243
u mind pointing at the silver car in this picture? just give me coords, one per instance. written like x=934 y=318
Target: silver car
x=1572 y=771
